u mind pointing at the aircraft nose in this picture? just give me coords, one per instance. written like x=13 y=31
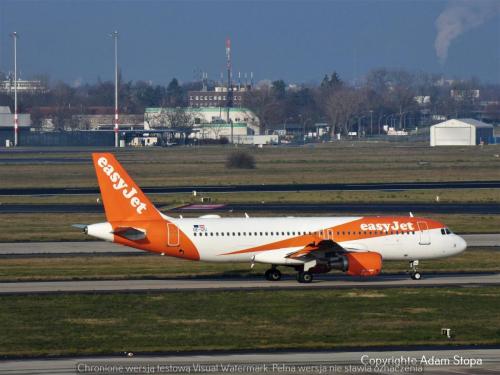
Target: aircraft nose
x=459 y=244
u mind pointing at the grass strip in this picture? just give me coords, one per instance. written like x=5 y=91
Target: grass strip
x=333 y=162
x=156 y=322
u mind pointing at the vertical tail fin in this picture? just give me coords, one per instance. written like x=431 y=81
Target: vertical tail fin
x=123 y=199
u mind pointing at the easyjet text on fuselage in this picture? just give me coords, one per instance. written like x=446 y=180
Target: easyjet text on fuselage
x=395 y=225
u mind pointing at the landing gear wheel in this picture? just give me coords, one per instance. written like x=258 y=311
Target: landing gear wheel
x=416 y=276
x=273 y=274
x=304 y=277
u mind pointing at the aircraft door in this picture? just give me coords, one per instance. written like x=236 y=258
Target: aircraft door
x=423 y=230
x=172 y=235
x=328 y=234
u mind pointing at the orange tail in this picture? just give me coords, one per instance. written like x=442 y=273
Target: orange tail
x=123 y=199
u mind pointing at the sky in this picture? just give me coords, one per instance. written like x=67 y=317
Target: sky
x=298 y=41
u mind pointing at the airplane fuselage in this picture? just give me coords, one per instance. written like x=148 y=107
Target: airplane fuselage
x=240 y=239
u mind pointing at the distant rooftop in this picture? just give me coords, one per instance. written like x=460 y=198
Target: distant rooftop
x=197 y=109
x=469 y=121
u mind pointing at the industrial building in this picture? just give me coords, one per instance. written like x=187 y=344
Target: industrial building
x=461 y=132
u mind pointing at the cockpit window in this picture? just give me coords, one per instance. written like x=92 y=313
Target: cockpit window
x=447 y=231
x=443 y=231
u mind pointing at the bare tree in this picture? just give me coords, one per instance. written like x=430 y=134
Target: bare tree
x=181 y=120
x=267 y=106
x=341 y=107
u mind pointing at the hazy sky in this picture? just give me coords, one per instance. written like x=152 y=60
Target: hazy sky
x=298 y=41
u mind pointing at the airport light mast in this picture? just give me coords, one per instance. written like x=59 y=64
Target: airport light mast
x=114 y=35
x=16 y=124
x=229 y=95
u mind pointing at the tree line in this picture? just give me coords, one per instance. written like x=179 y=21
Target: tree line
x=385 y=96
x=397 y=98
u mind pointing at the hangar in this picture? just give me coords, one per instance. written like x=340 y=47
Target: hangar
x=461 y=132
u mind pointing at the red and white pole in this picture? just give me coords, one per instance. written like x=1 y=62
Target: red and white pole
x=16 y=127
x=115 y=36
x=16 y=124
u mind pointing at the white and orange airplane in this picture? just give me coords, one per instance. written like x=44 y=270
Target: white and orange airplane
x=354 y=245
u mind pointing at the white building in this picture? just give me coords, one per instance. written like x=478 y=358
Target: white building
x=221 y=130
x=7 y=118
x=34 y=86
x=461 y=132
x=157 y=117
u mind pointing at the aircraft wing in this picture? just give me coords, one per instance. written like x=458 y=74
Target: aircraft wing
x=300 y=255
x=317 y=250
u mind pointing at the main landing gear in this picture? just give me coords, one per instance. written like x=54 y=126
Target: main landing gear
x=414 y=274
x=273 y=274
x=304 y=277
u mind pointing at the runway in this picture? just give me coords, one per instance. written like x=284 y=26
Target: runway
x=233 y=284
x=265 y=188
x=10 y=249
x=451 y=360
x=333 y=208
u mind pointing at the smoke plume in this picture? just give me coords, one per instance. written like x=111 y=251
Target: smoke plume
x=459 y=17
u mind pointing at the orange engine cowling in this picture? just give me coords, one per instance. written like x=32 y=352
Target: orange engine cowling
x=363 y=263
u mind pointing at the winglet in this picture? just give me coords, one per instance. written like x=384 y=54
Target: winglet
x=123 y=199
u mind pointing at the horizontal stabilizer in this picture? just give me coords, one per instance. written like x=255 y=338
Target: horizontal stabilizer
x=83 y=227
x=130 y=233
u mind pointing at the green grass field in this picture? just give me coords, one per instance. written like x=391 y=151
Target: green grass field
x=76 y=324
x=155 y=322
x=327 y=163
x=137 y=267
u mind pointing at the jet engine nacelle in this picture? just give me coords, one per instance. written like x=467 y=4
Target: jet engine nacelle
x=364 y=263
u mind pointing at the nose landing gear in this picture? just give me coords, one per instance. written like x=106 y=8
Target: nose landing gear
x=414 y=274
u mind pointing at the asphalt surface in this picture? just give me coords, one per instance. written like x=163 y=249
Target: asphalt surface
x=334 y=208
x=65 y=248
x=456 y=360
x=217 y=284
x=105 y=248
x=268 y=188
